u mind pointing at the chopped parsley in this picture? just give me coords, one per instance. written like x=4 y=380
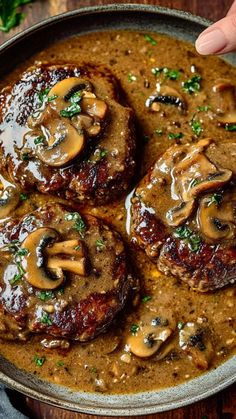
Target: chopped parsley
x=39 y=140
x=216 y=198
x=79 y=224
x=103 y=153
x=205 y=108
x=9 y=16
x=194 y=182
x=43 y=94
x=25 y=156
x=51 y=98
x=146 y=298
x=134 y=328
x=23 y=197
x=192 y=239
x=131 y=77
x=77 y=248
x=146 y=139
x=60 y=364
x=93 y=370
x=45 y=295
x=100 y=244
x=183 y=232
x=173 y=136
x=192 y=85
x=180 y=325
x=74 y=108
x=158 y=132
x=196 y=126
x=167 y=72
x=148 y=38
x=45 y=319
x=229 y=127
x=39 y=361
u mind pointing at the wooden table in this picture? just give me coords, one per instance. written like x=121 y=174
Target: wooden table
x=222 y=405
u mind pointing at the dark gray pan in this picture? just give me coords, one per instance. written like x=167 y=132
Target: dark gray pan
x=140 y=17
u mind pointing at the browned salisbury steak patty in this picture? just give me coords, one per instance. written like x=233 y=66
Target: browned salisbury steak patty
x=184 y=214
x=60 y=274
x=65 y=129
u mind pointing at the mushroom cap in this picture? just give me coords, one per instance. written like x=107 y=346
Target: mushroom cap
x=34 y=261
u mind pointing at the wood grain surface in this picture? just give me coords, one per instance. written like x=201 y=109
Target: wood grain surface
x=222 y=405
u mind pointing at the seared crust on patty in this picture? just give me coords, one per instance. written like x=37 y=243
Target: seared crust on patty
x=83 y=305
x=105 y=167
x=189 y=249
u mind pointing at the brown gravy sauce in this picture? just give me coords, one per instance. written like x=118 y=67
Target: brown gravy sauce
x=103 y=365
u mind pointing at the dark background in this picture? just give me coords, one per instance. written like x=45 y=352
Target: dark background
x=222 y=405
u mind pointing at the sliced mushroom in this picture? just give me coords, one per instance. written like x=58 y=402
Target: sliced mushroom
x=68 y=247
x=217 y=221
x=63 y=142
x=196 y=174
x=43 y=268
x=180 y=213
x=151 y=333
x=57 y=265
x=64 y=89
x=225 y=102
x=34 y=261
x=167 y=96
x=86 y=122
x=94 y=107
x=9 y=199
x=195 y=341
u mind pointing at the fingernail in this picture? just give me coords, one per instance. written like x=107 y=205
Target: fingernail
x=211 y=42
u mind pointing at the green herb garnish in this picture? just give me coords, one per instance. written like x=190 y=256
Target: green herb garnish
x=192 y=239
x=100 y=244
x=51 y=98
x=134 y=328
x=45 y=319
x=25 y=156
x=74 y=108
x=79 y=224
x=42 y=95
x=23 y=197
x=173 y=136
x=182 y=232
x=192 y=85
x=204 y=108
x=230 y=127
x=194 y=182
x=146 y=298
x=216 y=198
x=180 y=325
x=77 y=248
x=9 y=15
x=167 y=72
x=158 y=132
x=39 y=140
x=39 y=361
x=131 y=78
x=148 y=38
x=103 y=153
x=45 y=295
x=196 y=126
x=60 y=363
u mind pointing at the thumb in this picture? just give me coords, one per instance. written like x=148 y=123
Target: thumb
x=218 y=38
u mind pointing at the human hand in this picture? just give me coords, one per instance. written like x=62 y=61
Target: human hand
x=220 y=37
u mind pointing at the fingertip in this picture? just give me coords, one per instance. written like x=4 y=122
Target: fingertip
x=211 y=41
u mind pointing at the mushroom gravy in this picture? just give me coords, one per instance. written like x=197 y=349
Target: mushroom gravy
x=116 y=362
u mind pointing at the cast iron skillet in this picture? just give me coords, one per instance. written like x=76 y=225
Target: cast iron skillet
x=140 y=17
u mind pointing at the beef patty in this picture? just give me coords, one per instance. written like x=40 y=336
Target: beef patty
x=61 y=274
x=184 y=214
x=66 y=130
